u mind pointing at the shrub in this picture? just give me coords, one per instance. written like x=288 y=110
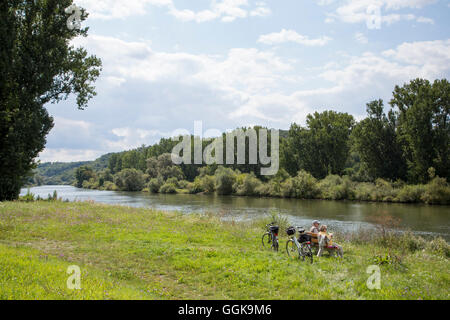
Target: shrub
x=110 y=186
x=196 y=186
x=146 y=177
x=154 y=185
x=266 y=189
x=397 y=184
x=303 y=186
x=203 y=183
x=282 y=175
x=29 y=197
x=183 y=184
x=411 y=242
x=129 y=180
x=363 y=191
x=91 y=184
x=281 y=220
x=224 y=180
x=334 y=187
x=248 y=186
x=168 y=188
x=410 y=193
x=437 y=191
x=275 y=188
x=287 y=188
x=384 y=191
x=53 y=197
x=278 y=186
x=207 y=184
x=173 y=181
x=440 y=246
x=208 y=170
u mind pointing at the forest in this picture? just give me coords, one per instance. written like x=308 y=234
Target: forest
x=395 y=155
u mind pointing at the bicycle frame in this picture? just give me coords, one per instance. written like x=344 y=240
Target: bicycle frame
x=298 y=244
x=274 y=239
x=273 y=236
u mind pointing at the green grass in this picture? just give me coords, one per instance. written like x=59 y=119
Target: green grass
x=129 y=253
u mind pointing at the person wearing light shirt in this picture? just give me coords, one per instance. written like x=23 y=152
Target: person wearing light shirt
x=315 y=226
x=326 y=242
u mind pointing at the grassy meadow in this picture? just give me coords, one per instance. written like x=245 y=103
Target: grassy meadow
x=132 y=253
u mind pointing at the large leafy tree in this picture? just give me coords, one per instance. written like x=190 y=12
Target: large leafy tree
x=163 y=168
x=129 y=180
x=322 y=147
x=84 y=173
x=375 y=140
x=424 y=126
x=38 y=66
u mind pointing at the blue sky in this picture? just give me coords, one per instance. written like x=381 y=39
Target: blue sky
x=231 y=63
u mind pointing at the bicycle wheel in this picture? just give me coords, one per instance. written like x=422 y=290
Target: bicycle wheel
x=267 y=240
x=307 y=253
x=291 y=249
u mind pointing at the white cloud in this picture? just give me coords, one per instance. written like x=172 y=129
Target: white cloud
x=68 y=155
x=361 y=38
x=371 y=75
x=362 y=11
x=225 y=10
x=145 y=94
x=292 y=36
x=133 y=137
x=261 y=10
x=251 y=69
x=425 y=20
x=428 y=59
x=433 y=55
x=113 y=9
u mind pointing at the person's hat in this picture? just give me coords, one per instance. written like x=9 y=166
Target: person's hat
x=316 y=221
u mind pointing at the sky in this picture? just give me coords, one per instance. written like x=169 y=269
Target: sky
x=234 y=63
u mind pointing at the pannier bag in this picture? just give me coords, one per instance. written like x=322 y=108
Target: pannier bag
x=290 y=231
x=304 y=238
x=274 y=229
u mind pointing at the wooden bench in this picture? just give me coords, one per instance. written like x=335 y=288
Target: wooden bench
x=315 y=243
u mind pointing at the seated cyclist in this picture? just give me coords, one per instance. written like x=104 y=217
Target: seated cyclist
x=315 y=226
x=326 y=242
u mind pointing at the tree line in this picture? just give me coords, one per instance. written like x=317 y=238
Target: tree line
x=397 y=155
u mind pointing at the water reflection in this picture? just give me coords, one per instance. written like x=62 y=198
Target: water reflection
x=339 y=215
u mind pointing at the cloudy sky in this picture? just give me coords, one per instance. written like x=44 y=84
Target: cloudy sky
x=231 y=63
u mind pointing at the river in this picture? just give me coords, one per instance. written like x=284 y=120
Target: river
x=338 y=215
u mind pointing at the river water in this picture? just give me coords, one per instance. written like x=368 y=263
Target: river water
x=338 y=215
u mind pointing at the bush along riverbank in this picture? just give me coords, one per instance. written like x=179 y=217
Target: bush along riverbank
x=135 y=253
x=226 y=181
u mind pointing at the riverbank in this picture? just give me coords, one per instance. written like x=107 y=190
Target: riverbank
x=225 y=181
x=147 y=254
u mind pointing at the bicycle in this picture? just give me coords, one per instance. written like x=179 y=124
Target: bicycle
x=300 y=246
x=271 y=237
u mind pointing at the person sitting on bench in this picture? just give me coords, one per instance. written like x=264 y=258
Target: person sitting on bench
x=315 y=226
x=326 y=242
